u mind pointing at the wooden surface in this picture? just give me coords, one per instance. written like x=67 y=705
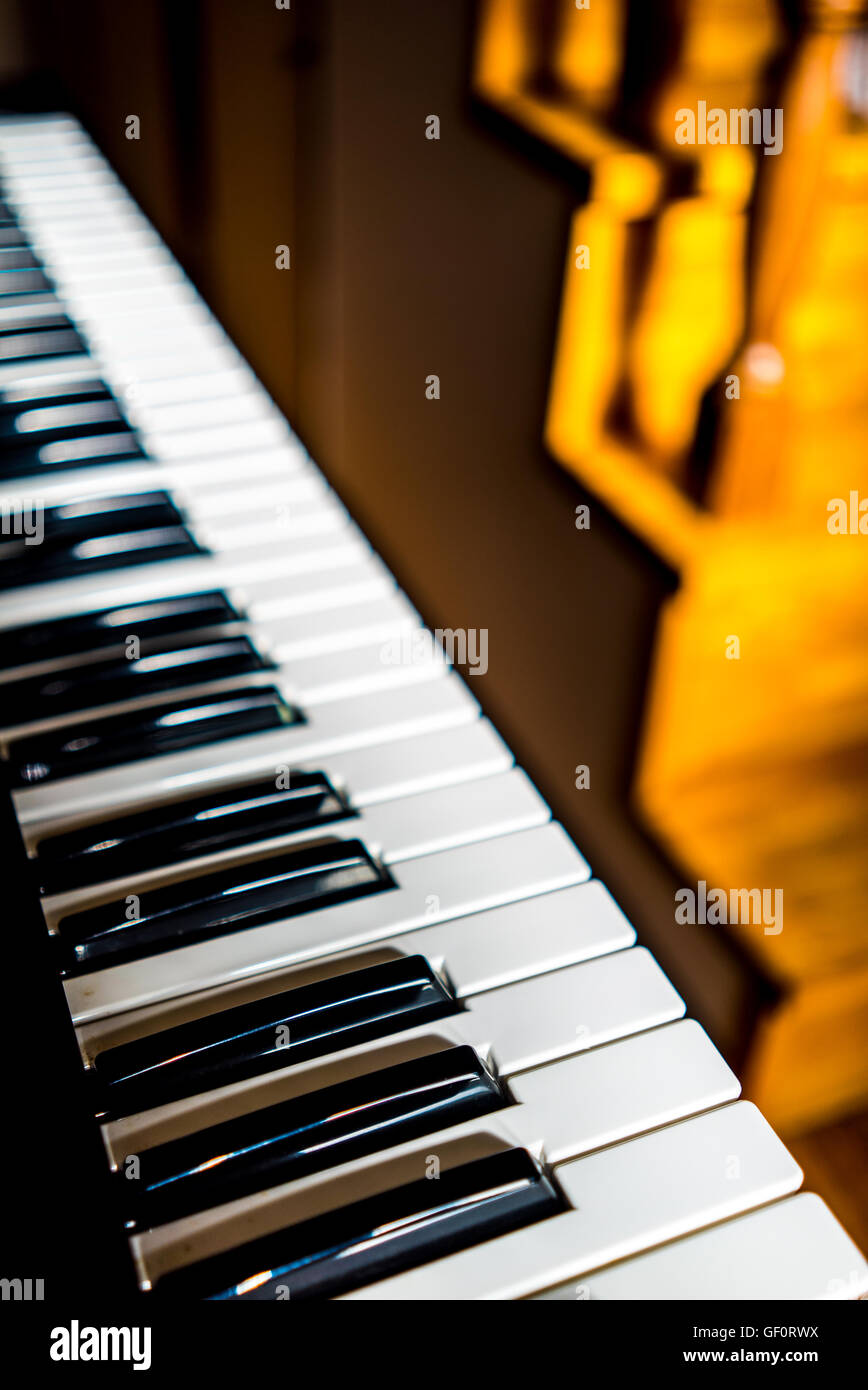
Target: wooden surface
x=835 y=1162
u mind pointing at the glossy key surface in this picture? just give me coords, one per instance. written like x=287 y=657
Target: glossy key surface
x=378 y=1236
x=214 y=904
x=309 y=1133
x=267 y=1034
x=155 y=731
x=160 y=668
x=81 y=633
x=94 y=534
x=183 y=830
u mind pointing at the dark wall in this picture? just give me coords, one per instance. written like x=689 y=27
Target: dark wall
x=409 y=257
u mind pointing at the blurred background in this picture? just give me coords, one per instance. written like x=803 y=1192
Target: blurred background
x=671 y=334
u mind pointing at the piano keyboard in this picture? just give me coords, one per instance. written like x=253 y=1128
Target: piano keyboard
x=357 y=1022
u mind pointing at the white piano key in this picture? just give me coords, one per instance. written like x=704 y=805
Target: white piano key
x=355 y=624
x=402 y=768
x=43 y=193
x=478 y=953
x=333 y=675
x=246 y=434
x=625 y=1199
x=78 y=164
x=432 y=888
x=150 y=365
x=591 y=1100
x=526 y=1025
x=176 y=396
x=239 y=403
x=344 y=724
x=496 y=947
x=793 y=1249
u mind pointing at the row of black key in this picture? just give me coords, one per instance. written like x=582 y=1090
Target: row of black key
x=309 y=1133
x=186 y=641
x=49 y=425
x=317 y=1130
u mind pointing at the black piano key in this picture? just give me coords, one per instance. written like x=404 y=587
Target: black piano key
x=61 y=418
x=103 y=553
x=90 y=517
x=96 y=534
x=309 y=1133
x=17 y=282
x=378 y=1236
x=267 y=1034
x=214 y=904
x=53 y=455
x=11 y=234
x=17 y=258
x=149 y=733
x=7 y=216
x=49 y=391
x=63 y=425
x=110 y=627
x=28 y=318
x=51 y=336
x=69 y=425
x=183 y=830
x=76 y=688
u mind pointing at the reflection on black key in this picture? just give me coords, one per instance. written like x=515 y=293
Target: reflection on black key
x=20 y=270
x=92 y=556
x=214 y=904
x=183 y=830
x=29 y=318
x=111 y=682
x=148 y=733
x=14 y=282
x=107 y=516
x=267 y=1034
x=16 y=258
x=45 y=341
x=87 y=451
x=379 y=1236
x=67 y=430
x=337 y=1124
x=96 y=534
x=59 y=420
x=111 y=627
x=47 y=391
x=82 y=521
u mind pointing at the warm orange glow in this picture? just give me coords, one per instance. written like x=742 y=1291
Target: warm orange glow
x=753 y=767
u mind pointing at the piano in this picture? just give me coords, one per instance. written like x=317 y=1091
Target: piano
x=317 y=1000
